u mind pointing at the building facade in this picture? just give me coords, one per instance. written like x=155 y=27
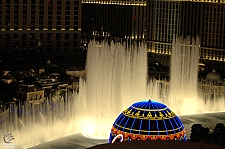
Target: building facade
x=54 y=27
x=40 y=26
x=187 y=18
x=116 y=20
x=156 y=22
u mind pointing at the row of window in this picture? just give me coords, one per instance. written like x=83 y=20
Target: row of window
x=59 y=2
x=163 y=55
x=211 y=54
x=212 y=6
x=159 y=47
x=159 y=56
x=171 y=5
x=33 y=7
x=40 y=28
x=40 y=36
x=206 y=51
x=41 y=50
x=38 y=45
x=41 y=17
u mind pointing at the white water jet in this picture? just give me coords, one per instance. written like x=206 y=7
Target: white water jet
x=34 y=124
x=183 y=95
x=116 y=77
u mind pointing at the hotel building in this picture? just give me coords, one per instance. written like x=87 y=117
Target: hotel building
x=203 y=18
x=48 y=27
x=117 y=20
x=54 y=27
x=156 y=21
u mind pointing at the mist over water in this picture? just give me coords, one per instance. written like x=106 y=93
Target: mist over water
x=116 y=78
x=32 y=124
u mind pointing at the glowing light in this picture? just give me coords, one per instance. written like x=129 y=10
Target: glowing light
x=88 y=128
x=120 y=136
x=134 y=3
x=133 y=123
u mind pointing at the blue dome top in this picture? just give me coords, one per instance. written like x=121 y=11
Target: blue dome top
x=149 y=105
x=149 y=118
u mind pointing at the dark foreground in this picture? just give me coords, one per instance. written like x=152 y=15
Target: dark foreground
x=80 y=142
x=157 y=145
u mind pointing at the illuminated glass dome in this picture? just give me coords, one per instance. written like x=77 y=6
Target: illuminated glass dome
x=147 y=120
x=213 y=76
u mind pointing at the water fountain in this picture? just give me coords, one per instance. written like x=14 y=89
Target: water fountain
x=184 y=76
x=32 y=124
x=116 y=78
x=184 y=93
